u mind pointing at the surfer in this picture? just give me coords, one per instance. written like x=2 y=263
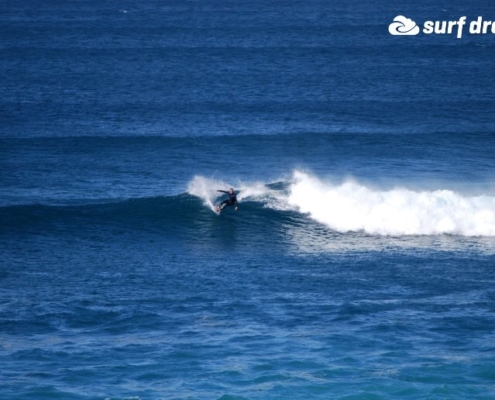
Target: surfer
x=231 y=201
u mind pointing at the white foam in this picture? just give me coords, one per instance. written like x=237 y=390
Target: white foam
x=252 y=191
x=353 y=207
x=206 y=189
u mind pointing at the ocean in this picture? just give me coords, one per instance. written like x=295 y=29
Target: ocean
x=360 y=263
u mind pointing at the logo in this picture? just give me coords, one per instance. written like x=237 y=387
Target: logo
x=403 y=26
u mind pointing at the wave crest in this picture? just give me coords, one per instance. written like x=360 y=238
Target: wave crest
x=354 y=207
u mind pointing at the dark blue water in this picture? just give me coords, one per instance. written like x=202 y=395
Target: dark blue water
x=361 y=261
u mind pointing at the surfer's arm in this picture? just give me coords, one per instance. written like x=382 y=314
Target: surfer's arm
x=222 y=191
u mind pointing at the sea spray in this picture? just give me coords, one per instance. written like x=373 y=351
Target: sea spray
x=351 y=206
x=207 y=190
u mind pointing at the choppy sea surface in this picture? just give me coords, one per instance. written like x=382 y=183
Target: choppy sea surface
x=361 y=261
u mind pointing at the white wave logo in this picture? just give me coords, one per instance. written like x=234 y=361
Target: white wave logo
x=403 y=26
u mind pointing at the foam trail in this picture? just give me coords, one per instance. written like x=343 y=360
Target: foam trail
x=353 y=207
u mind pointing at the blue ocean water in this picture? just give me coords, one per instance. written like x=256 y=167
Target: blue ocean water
x=361 y=261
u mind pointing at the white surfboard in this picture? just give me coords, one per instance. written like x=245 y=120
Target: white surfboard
x=213 y=207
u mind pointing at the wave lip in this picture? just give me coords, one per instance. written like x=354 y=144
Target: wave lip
x=354 y=207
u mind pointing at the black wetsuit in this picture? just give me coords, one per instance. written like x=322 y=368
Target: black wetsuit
x=231 y=201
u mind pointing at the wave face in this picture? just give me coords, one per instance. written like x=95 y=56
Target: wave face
x=298 y=201
x=353 y=207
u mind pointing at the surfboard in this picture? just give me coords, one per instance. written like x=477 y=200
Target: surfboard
x=211 y=206
x=215 y=209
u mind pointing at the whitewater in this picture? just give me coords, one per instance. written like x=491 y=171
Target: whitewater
x=354 y=207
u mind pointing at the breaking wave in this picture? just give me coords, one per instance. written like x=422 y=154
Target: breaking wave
x=351 y=206
x=298 y=201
